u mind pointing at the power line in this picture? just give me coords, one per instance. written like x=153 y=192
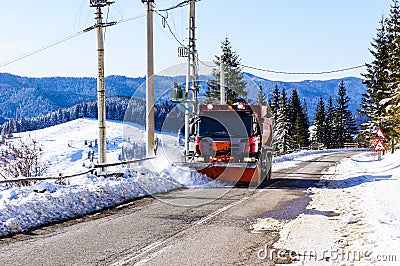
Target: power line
x=165 y=23
x=61 y=41
x=41 y=49
x=129 y=19
x=303 y=73
x=184 y=3
x=291 y=73
x=203 y=63
x=181 y=4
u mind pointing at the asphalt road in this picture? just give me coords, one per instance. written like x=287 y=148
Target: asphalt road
x=196 y=226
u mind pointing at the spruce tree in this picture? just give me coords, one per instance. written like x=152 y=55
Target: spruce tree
x=299 y=122
x=282 y=138
x=330 y=127
x=344 y=120
x=275 y=103
x=319 y=122
x=261 y=99
x=389 y=121
x=306 y=123
x=377 y=82
x=305 y=111
x=234 y=82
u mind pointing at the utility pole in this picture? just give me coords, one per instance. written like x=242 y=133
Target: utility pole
x=191 y=78
x=149 y=81
x=222 y=79
x=101 y=97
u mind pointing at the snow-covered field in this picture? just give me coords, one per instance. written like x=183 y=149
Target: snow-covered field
x=353 y=218
x=361 y=193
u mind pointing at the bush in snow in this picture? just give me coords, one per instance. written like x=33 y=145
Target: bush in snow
x=21 y=159
x=132 y=150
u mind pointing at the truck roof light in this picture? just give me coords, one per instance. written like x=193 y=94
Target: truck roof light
x=241 y=106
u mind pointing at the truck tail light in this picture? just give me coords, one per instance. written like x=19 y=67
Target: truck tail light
x=252 y=144
x=197 y=146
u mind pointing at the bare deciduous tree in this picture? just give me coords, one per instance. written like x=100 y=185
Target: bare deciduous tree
x=21 y=159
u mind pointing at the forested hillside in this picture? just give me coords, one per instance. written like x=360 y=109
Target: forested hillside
x=30 y=97
x=312 y=90
x=117 y=108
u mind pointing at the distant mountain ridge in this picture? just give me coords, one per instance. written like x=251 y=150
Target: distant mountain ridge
x=22 y=96
x=25 y=96
x=312 y=90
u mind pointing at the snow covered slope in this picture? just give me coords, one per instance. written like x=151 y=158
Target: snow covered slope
x=353 y=219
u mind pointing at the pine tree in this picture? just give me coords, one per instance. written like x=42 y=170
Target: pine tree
x=306 y=123
x=298 y=121
x=330 y=127
x=261 y=99
x=344 y=120
x=305 y=111
x=390 y=120
x=376 y=80
x=234 y=83
x=275 y=103
x=319 y=122
x=381 y=102
x=282 y=138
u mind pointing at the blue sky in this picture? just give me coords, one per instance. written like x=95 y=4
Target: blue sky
x=291 y=35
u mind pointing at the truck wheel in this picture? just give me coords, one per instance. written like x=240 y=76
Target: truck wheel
x=263 y=166
x=269 y=165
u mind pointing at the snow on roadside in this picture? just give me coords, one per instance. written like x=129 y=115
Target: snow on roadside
x=293 y=159
x=353 y=218
x=23 y=208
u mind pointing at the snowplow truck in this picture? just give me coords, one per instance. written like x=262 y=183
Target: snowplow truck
x=233 y=143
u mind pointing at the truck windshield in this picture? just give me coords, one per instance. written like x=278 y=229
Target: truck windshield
x=225 y=124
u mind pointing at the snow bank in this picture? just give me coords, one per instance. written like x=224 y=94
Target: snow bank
x=24 y=208
x=292 y=159
x=354 y=216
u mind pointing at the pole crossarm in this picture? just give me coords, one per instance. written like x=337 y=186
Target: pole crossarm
x=103 y=25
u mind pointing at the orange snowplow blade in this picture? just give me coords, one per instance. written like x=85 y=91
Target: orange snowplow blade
x=237 y=172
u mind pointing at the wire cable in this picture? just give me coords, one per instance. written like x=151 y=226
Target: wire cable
x=40 y=49
x=129 y=19
x=61 y=41
x=165 y=23
x=203 y=63
x=181 y=4
x=290 y=73
x=302 y=73
x=105 y=30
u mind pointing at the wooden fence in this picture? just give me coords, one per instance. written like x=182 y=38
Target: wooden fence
x=60 y=176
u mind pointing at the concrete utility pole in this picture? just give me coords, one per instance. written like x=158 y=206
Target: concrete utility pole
x=149 y=82
x=222 y=79
x=191 y=86
x=101 y=97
